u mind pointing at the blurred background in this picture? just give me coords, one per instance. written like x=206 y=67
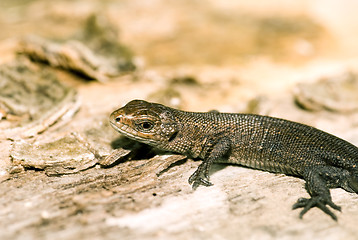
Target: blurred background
x=270 y=46
x=197 y=32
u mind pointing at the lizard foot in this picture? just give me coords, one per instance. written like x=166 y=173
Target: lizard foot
x=199 y=178
x=316 y=201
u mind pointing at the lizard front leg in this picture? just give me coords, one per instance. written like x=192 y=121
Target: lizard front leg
x=317 y=178
x=201 y=175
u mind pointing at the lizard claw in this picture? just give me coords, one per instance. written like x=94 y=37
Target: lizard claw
x=199 y=182
x=200 y=176
x=197 y=179
x=319 y=202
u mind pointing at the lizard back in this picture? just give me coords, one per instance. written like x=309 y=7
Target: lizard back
x=267 y=143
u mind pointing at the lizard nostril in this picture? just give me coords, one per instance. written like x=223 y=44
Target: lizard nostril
x=117 y=119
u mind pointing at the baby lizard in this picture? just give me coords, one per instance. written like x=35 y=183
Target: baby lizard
x=260 y=142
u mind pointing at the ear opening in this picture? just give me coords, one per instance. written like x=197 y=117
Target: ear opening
x=173 y=136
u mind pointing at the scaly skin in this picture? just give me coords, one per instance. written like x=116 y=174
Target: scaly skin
x=261 y=142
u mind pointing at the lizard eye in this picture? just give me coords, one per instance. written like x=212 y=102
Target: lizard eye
x=118 y=119
x=146 y=125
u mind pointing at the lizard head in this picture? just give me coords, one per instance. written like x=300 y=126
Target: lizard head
x=150 y=123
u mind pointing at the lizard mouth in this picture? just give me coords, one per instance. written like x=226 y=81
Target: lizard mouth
x=130 y=133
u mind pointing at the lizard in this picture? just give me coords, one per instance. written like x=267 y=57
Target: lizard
x=266 y=143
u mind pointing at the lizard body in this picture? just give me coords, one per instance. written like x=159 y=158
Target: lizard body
x=271 y=144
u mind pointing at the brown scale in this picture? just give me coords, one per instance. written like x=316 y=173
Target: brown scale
x=266 y=143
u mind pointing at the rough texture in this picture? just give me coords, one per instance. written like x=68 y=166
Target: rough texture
x=56 y=156
x=233 y=56
x=255 y=141
x=32 y=100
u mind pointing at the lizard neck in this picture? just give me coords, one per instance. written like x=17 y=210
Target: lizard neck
x=194 y=131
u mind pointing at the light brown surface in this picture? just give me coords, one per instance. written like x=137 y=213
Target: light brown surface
x=198 y=56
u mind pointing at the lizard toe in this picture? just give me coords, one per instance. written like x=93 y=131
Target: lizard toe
x=196 y=180
x=301 y=202
x=319 y=202
x=333 y=205
x=199 y=182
